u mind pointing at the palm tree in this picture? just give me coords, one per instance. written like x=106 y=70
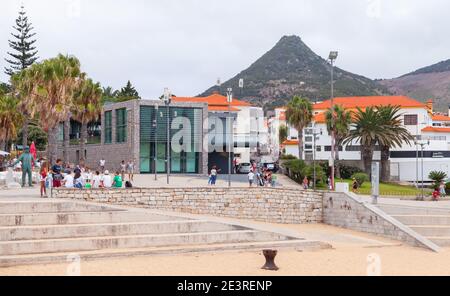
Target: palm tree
x=86 y=108
x=11 y=119
x=47 y=89
x=368 y=132
x=299 y=114
x=340 y=125
x=396 y=135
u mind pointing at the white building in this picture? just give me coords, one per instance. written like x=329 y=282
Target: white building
x=418 y=119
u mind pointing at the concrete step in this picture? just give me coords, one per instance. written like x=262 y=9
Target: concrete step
x=431 y=230
x=79 y=218
x=18 y=233
x=48 y=207
x=441 y=220
x=443 y=241
x=413 y=210
x=300 y=245
x=134 y=241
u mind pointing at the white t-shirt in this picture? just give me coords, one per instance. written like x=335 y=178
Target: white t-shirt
x=107 y=181
x=96 y=181
x=68 y=181
x=251 y=176
x=213 y=172
x=102 y=162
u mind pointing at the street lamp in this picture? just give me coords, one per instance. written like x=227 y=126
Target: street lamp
x=167 y=99
x=155 y=125
x=230 y=137
x=422 y=145
x=332 y=57
x=315 y=135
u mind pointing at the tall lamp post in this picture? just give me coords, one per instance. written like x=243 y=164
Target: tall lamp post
x=155 y=125
x=167 y=100
x=315 y=134
x=230 y=137
x=332 y=57
x=422 y=145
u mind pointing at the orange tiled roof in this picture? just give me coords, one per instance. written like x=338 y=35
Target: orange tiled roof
x=320 y=118
x=290 y=142
x=222 y=108
x=441 y=118
x=432 y=129
x=212 y=100
x=363 y=102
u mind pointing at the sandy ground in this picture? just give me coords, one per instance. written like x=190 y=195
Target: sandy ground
x=353 y=253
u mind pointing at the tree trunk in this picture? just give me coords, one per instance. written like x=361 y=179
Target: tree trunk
x=25 y=131
x=338 y=165
x=52 y=148
x=300 y=144
x=385 y=167
x=83 y=140
x=66 y=142
x=3 y=145
x=367 y=156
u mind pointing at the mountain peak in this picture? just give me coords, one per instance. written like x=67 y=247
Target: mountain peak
x=292 y=68
x=440 y=67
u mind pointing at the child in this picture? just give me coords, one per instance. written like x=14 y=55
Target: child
x=251 y=178
x=49 y=181
x=78 y=180
x=436 y=194
x=88 y=184
x=96 y=180
x=42 y=178
x=117 y=181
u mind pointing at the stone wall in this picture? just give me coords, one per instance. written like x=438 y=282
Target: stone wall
x=272 y=205
x=347 y=211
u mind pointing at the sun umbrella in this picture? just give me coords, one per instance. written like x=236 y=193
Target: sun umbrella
x=33 y=150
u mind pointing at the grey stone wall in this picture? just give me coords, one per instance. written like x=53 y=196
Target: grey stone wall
x=272 y=205
x=346 y=211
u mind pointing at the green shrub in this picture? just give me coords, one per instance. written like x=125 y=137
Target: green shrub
x=288 y=157
x=447 y=188
x=348 y=171
x=360 y=178
x=437 y=177
x=295 y=169
x=308 y=171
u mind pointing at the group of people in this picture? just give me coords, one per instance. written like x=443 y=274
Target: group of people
x=81 y=177
x=264 y=178
x=440 y=192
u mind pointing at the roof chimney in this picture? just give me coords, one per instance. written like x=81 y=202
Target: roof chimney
x=430 y=106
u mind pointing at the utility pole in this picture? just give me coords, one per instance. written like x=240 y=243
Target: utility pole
x=332 y=57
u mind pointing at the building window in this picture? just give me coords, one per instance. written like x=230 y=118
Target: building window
x=327 y=148
x=108 y=127
x=308 y=147
x=308 y=139
x=411 y=119
x=319 y=148
x=353 y=148
x=121 y=125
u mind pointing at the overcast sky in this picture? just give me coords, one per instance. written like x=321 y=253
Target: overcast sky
x=187 y=44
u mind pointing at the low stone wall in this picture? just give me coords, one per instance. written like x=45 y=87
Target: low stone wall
x=347 y=211
x=272 y=205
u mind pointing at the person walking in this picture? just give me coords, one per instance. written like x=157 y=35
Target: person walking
x=214 y=173
x=442 y=190
x=130 y=170
x=251 y=178
x=42 y=177
x=123 y=169
x=102 y=164
x=305 y=183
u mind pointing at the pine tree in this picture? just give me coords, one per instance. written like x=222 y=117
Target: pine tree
x=128 y=93
x=25 y=53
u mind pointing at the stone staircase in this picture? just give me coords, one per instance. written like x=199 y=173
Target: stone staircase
x=431 y=222
x=49 y=231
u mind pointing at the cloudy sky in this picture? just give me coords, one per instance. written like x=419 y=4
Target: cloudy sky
x=187 y=44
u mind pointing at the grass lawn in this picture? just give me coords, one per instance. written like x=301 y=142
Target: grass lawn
x=388 y=189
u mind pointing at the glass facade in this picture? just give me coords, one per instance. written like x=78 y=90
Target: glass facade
x=121 y=125
x=108 y=127
x=186 y=126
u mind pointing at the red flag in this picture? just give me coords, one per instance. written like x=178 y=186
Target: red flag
x=33 y=150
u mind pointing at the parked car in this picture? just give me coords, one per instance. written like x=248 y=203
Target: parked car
x=244 y=168
x=271 y=166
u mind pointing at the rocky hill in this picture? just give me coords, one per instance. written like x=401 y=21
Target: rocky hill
x=292 y=68
x=432 y=82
